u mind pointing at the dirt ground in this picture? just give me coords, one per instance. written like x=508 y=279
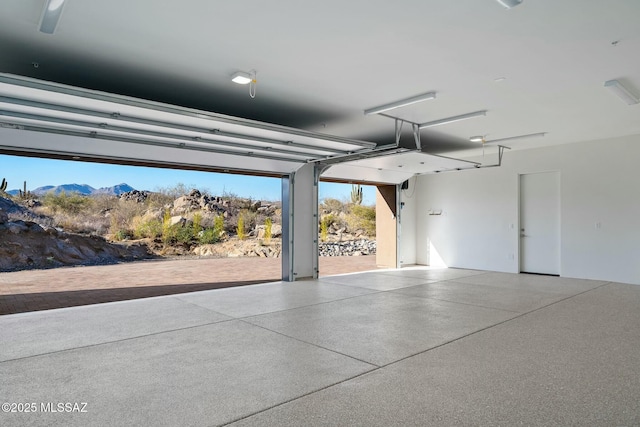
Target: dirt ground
x=34 y=290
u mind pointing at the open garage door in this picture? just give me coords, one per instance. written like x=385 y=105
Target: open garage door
x=387 y=172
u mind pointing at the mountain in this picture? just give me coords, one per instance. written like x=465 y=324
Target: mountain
x=116 y=190
x=83 y=189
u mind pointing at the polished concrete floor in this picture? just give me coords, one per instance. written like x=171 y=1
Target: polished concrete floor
x=386 y=348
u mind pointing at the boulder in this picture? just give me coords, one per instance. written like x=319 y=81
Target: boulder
x=276 y=230
x=175 y=220
x=4 y=217
x=185 y=204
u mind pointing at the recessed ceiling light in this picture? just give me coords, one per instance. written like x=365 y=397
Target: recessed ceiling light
x=499 y=79
x=509 y=3
x=477 y=138
x=241 y=78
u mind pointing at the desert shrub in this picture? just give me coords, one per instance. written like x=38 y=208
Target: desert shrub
x=158 y=200
x=324 y=229
x=120 y=235
x=208 y=236
x=362 y=217
x=218 y=225
x=211 y=234
x=333 y=205
x=184 y=234
x=174 y=192
x=104 y=202
x=68 y=203
x=147 y=229
x=197 y=223
x=240 y=230
x=268 y=224
x=167 y=230
x=123 y=215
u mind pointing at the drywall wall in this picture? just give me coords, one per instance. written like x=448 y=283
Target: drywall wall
x=600 y=211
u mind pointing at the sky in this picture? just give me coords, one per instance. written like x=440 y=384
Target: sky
x=40 y=172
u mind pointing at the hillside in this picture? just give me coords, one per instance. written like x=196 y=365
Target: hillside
x=84 y=189
x=53 y=230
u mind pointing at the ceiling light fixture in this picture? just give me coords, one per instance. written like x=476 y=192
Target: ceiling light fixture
x=241 y=78
x=480 y=138
x=453 y=119
x=509 y=3
x=400 y=103
x=51 y=16
x=622 y=92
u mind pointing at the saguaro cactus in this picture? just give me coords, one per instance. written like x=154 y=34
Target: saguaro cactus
x=3 y=186
x=24 y=194
x=356 y=194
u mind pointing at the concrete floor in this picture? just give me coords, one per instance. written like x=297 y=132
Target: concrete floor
x=404 y=347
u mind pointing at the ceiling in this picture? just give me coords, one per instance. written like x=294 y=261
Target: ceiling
x=321 y=64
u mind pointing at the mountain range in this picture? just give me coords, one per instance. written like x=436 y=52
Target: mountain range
x=83 y=189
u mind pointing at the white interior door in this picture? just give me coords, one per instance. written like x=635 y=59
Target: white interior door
x=540 y=223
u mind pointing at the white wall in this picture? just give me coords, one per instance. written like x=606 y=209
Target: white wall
x=600 y=183
x=407 y=245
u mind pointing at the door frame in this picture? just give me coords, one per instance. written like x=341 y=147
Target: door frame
x=519 y=251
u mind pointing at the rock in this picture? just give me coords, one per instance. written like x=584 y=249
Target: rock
x=204 y=250
x=276 y=230
x=184 y=204
x=4 y=217
x=135 y=195
x=32 y=203
x=256 y=205
x=348 y=248
x=17 y=227
x=175 y=220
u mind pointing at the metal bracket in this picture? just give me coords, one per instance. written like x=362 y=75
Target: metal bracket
x=399 y=124
x=416 y=136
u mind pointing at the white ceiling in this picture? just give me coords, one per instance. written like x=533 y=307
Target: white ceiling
x=320 y=64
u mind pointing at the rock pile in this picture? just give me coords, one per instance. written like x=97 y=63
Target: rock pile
x=348 y=248
x=238 y=249
x=135 y=196
x=196 y=201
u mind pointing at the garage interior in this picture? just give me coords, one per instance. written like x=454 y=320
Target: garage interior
x=508 y=132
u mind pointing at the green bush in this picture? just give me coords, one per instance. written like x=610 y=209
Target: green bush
x=149 y=229
x=209 y=236
x=268 y=224
x=120 y=235
x=73 y=203
x=324 y=229
x=197 y=223
x=240 y=230
x=362 y=217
